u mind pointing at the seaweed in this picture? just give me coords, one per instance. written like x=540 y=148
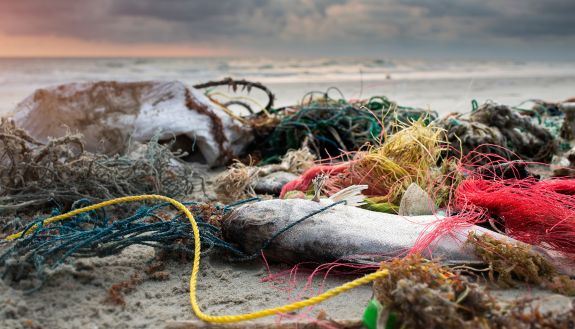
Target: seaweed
x=420 y=293
x=510 y=265
x=424 y=294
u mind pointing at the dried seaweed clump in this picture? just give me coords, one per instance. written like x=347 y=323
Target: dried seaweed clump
x=512 y=264
x=238 y=181
x=35 y=175
x=419 y=293
x=423 y=294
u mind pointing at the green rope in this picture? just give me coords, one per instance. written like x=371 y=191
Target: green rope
x=332 y=126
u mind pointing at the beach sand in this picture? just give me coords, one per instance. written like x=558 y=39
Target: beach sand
x=75 y=295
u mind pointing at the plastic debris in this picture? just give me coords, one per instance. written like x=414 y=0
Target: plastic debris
x=110 y=114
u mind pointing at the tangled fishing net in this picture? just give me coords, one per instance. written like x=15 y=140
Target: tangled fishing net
x=238 y=181
x=501 y=130
x=330 y=126
x=535 y=212
x=411 y=155
x=97 y=234
x=505 y=197
x=36 y=175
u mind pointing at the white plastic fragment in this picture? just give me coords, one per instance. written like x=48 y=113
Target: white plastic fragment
x=416 y=202
x=110 y=114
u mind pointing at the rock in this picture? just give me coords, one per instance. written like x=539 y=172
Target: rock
x=111 y=114
x=553 y=305
x=273 y=183
x=416 y=202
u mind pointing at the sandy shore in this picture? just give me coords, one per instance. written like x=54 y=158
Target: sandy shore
x=76 y=295
x=441 y=95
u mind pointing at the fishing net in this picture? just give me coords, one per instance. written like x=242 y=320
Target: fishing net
x=506 y=198
x=331 y=126
x=501 y=130
x=36 y=175
x=409 y=156
x=239 y=180
x=98 y=234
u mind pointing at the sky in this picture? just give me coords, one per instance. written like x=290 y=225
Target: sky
x=478 y=29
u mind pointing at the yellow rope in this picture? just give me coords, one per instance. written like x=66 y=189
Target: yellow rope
x=196 y=264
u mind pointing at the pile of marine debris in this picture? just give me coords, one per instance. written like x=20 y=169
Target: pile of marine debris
x=341 y=168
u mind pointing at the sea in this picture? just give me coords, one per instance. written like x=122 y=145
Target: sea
x=441 y=85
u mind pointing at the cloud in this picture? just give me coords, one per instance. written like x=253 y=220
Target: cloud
x=302 y=26
x=532 y=20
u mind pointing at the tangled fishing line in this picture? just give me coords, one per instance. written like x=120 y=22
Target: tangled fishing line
x=409 y=156
x=34 y=175
x=330 y=126
x=502 y=131
x=96 y=234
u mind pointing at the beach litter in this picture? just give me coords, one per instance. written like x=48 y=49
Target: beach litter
x=340 y=232
x=530 y=134
x=112 y=114
x=38 y=175
x=43 y=248
x=409 y=156
x=433 y=211
x=329 y=126
x=242 y=181
x=424 y=294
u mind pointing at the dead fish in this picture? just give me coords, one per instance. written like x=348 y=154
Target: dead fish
x=340 y=232
x=343 y=233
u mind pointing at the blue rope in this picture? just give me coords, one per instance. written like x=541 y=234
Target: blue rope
x=90 y=234
x=95 y=234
